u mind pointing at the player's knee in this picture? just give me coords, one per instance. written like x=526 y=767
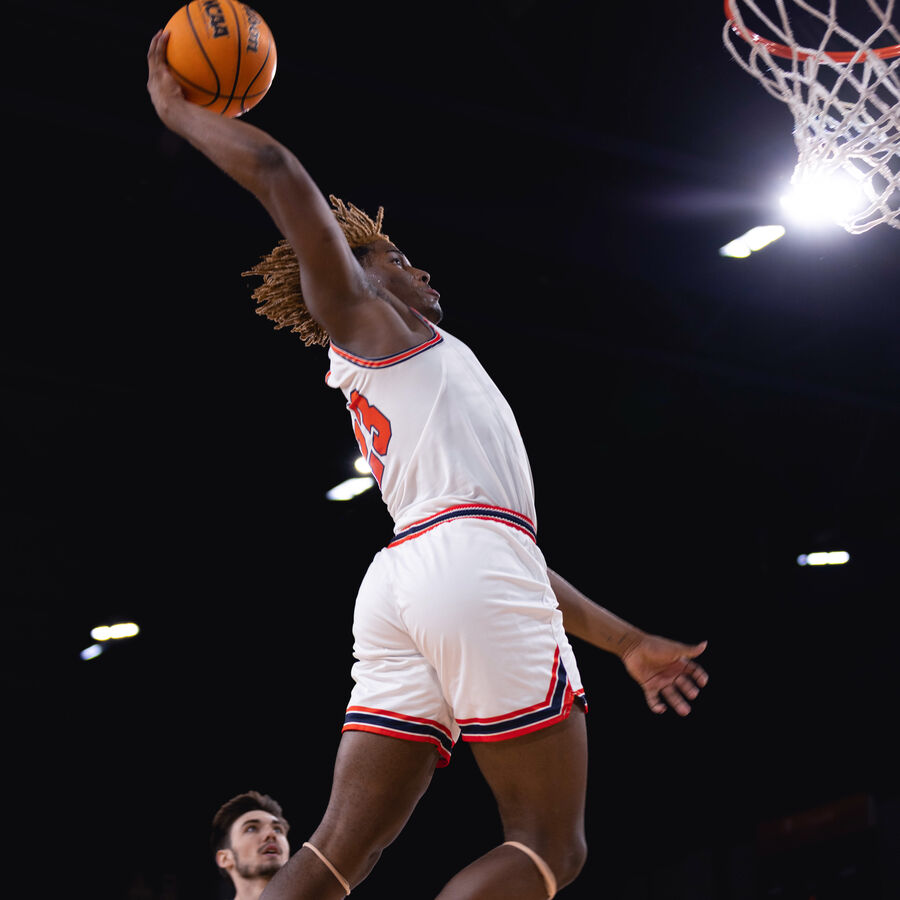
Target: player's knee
x=569 y=857
x=570 y=860
x=565 y=855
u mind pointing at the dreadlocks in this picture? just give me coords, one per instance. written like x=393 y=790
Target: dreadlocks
x=279 y=297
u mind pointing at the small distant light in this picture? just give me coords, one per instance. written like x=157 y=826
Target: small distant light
x=362 y=466
x=114 y=632
x=350 y=488
x=824 y=558
x=91 y=652
x=755 y=239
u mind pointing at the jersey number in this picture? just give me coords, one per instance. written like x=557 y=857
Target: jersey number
x=373 y=432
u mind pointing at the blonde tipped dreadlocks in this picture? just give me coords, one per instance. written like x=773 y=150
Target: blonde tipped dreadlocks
x=279 y=297
x=356 y=225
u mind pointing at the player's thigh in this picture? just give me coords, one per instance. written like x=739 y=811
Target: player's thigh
x=377 y=783
x=539 y=781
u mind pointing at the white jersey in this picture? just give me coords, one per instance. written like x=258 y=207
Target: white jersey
x=436 y=431
x=457 y=631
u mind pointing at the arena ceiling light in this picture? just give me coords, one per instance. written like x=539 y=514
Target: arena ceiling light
x=823 y=200
x=353 y=487
x=104 y=635
x=824 y=558
x=116 y=632
x=350 y=488
x=753 y=240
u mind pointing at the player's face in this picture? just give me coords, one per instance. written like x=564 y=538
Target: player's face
x=259 y=844
x=394 y=271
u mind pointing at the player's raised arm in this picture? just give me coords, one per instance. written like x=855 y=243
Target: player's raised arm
x=334 y=286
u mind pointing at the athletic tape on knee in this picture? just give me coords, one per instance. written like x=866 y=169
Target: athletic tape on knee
x=542 y=867
x=343 y=881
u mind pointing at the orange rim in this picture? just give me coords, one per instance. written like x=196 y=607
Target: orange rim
x=782 y=50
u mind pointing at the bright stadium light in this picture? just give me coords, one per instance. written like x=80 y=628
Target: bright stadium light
x=824 y=558
x=350 y=488
x=115 y=632
x=361 y=466
x=91 y=652
x=820 y=200
x=755 y=239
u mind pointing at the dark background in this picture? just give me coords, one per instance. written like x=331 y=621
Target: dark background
x=567 y=172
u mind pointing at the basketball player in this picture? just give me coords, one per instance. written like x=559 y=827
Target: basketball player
x=250 y=843
x=458 y=623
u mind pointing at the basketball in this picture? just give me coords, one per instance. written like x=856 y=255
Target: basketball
x=222 y=54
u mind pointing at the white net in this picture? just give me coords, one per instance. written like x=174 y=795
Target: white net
x=843 y=91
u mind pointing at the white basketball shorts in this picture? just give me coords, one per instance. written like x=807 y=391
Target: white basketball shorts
x=457 y=633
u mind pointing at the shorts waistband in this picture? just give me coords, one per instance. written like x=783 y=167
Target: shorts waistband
x=468 y=511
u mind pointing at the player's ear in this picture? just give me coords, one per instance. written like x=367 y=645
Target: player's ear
x=224 y=859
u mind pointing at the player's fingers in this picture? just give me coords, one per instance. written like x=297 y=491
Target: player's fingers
x=698 y=673
x=153 y=52
x=654 y=702
x=157 y=50
x=675 y=700
x=687 y=687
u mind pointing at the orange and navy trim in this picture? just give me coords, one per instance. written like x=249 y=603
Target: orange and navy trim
x=409 y=728
x=555 y=707
x=467 y=511
x=383 y=362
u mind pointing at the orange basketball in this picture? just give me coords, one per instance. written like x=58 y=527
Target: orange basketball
x=222 y=53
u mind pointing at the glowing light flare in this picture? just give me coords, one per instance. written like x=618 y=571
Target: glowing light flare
x=823 y=199
x=116 y=632
x=362 y=466
x=350 y=488
x=91 y=652
x=824 y=558
x=755 y=239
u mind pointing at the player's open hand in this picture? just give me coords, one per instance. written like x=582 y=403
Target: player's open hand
x=666 y=672
x=161 y=83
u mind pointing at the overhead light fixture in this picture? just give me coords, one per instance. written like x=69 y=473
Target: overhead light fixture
x=115 y=632
x=824 y=558
x=753 y=240
x=350 y=488
x=103 y=634
x=353 y=487
x=823 y=200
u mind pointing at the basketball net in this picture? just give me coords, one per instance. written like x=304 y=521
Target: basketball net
x=845 y=103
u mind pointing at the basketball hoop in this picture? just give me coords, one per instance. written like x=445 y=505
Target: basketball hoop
x=845 y=102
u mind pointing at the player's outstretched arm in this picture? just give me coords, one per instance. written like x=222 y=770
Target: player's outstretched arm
x=664 y=669
x=334 y=287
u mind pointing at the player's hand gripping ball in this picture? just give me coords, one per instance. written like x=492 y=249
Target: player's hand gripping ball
x=222 y=54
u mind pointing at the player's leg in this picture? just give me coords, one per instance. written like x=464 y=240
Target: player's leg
x=377 y=782
x=539 y=781
x=397 y=729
